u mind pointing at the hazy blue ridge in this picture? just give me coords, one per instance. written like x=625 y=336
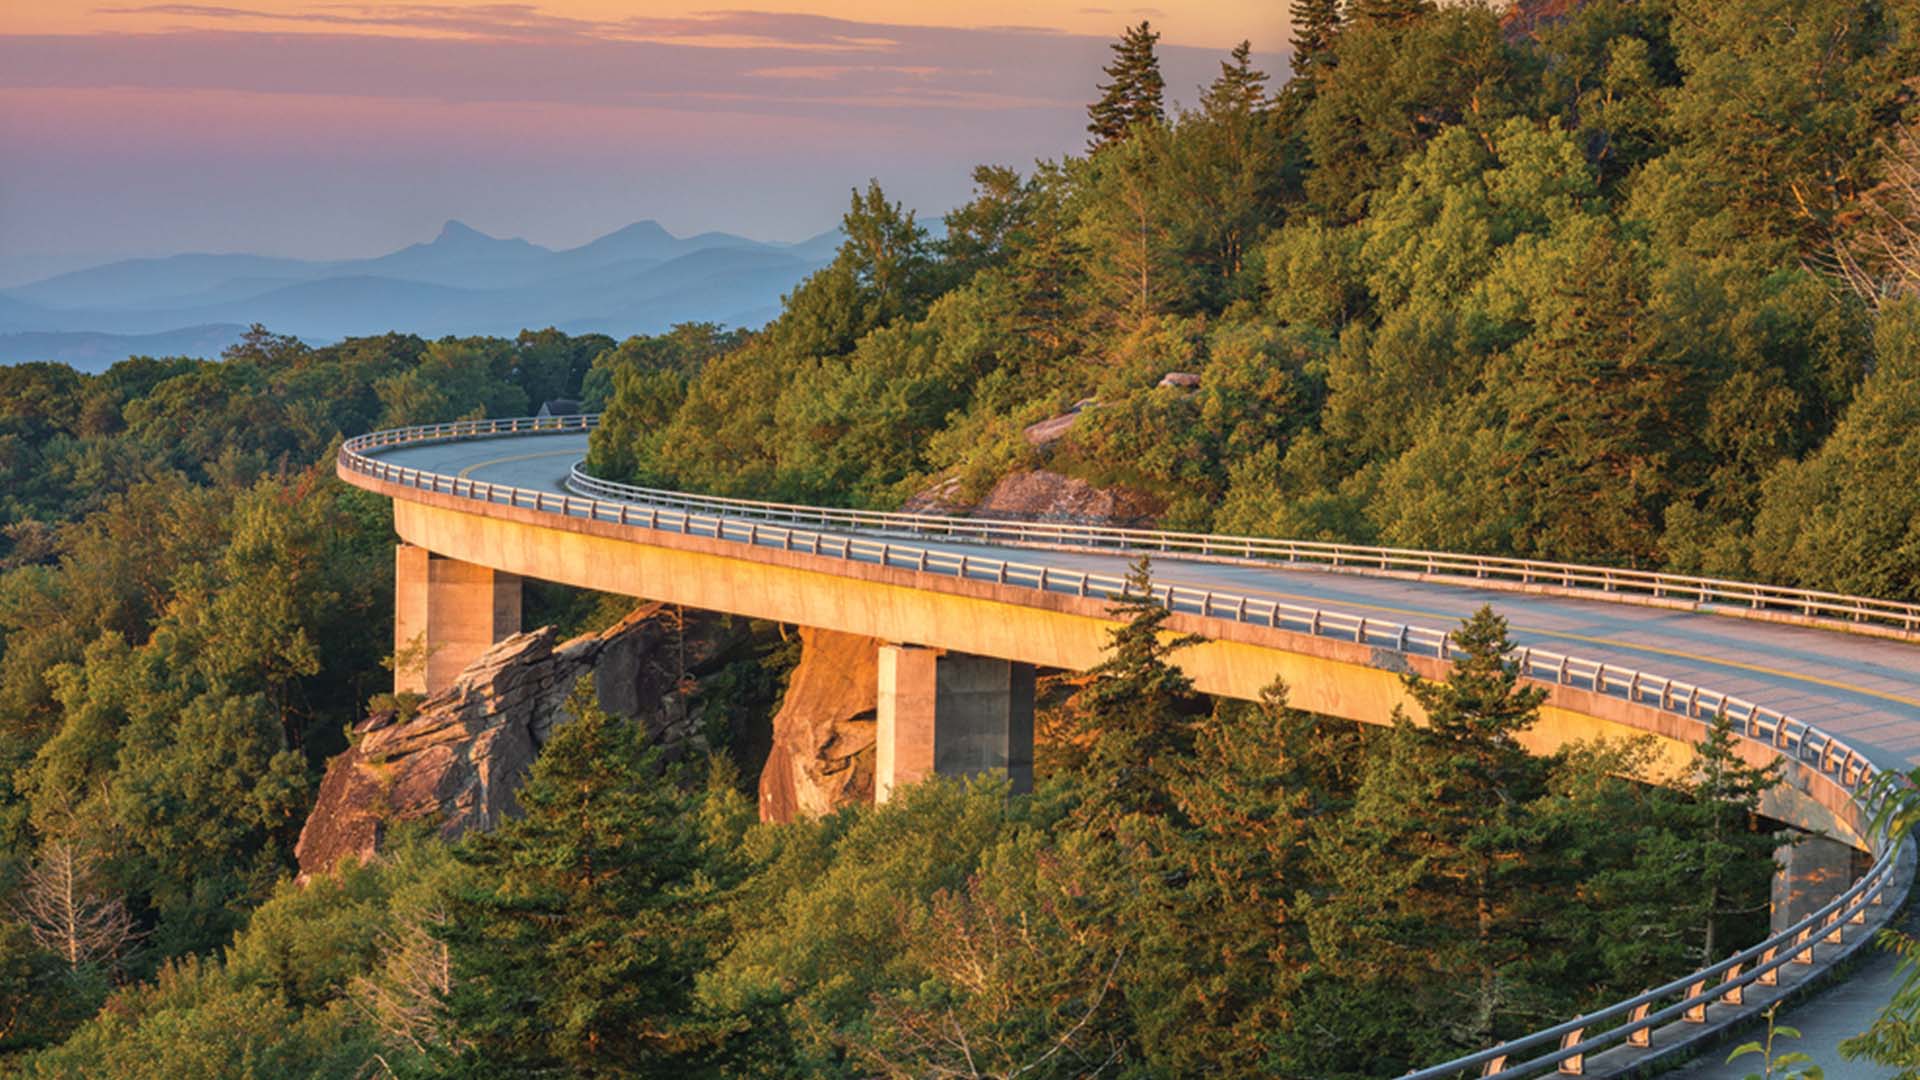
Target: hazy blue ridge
x=640 y=279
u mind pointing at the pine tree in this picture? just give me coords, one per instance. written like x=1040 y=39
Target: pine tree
x=577 y=952
x=1138 y=709
x=1316 y=24
x=1436 y=880
x=1136 y=94
x=1240 y=90
x=1732 y=852
x=1231 y=946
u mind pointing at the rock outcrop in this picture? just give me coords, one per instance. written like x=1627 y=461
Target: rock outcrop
x=823 y=735
x=459 y=758
x=1045 y=495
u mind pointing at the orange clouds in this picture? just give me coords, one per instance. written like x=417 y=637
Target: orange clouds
x=1216 y=23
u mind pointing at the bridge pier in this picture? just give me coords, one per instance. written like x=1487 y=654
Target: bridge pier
x=445 y=614
x=1809 y=874
x=952 y=714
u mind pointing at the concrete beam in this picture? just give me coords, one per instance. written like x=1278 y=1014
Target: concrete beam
x=445 y=614
x=951 y=714
x=983 y=618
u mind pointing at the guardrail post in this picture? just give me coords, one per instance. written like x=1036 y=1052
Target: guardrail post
x=1572 y=1064
x=1697 y=1012
x=1735 y=995
x=1771 y=976
x=1495 y=1066
x=1641 y=1037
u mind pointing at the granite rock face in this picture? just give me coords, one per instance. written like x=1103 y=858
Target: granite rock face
x=823 y=735
x=1042 y=495
x=1047 y=496
x=458 y=760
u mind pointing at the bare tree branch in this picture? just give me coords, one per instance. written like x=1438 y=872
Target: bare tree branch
x=67 y=913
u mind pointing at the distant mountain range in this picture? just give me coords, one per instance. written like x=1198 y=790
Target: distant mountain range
x=638 y=280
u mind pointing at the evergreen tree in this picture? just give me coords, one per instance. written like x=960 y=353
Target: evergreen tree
x=1137 y=708
x=1240 y=89
x=1436 y=869
x=1730 y=850
x=1316 y=24
x=577 y=951
x=1231 y=946
x=1136 y=93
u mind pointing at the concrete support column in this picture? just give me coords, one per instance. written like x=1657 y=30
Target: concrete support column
x=1809 y=874
x=951 y=714
x=445 y=614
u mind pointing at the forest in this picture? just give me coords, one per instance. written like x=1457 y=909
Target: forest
x=1636 y=284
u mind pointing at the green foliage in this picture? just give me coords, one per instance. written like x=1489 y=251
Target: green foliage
x=577 y=945
x=1842 y=518
x=1134 y=96
x=1792 y=1065
x=1136 y=709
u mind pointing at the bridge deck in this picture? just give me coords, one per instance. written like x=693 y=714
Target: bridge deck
x=1865 y=690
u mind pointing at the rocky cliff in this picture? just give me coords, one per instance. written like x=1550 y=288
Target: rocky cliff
x=458 y=759
x=822 y=756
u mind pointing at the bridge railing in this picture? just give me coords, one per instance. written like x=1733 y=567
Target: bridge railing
x=1684 y=588
x=1560 y=1048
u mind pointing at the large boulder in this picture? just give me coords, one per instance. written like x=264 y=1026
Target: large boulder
x=457 y=761
x=823 y=735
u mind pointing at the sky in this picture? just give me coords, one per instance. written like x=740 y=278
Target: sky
x=327 y=129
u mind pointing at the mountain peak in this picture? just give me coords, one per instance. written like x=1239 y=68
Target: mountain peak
x=649 y=229
x=459 y=232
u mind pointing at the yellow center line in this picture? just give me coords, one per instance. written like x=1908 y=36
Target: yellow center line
x=1779 y=673
x=468 y=471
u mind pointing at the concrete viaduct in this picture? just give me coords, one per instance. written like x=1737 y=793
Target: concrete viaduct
x=1829 y=685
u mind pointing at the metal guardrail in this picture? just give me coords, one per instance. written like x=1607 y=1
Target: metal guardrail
x=767 y=524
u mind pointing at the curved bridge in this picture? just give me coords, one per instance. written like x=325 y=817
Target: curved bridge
x=1828 y=684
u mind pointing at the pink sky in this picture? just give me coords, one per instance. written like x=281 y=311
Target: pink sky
x=330 y=129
